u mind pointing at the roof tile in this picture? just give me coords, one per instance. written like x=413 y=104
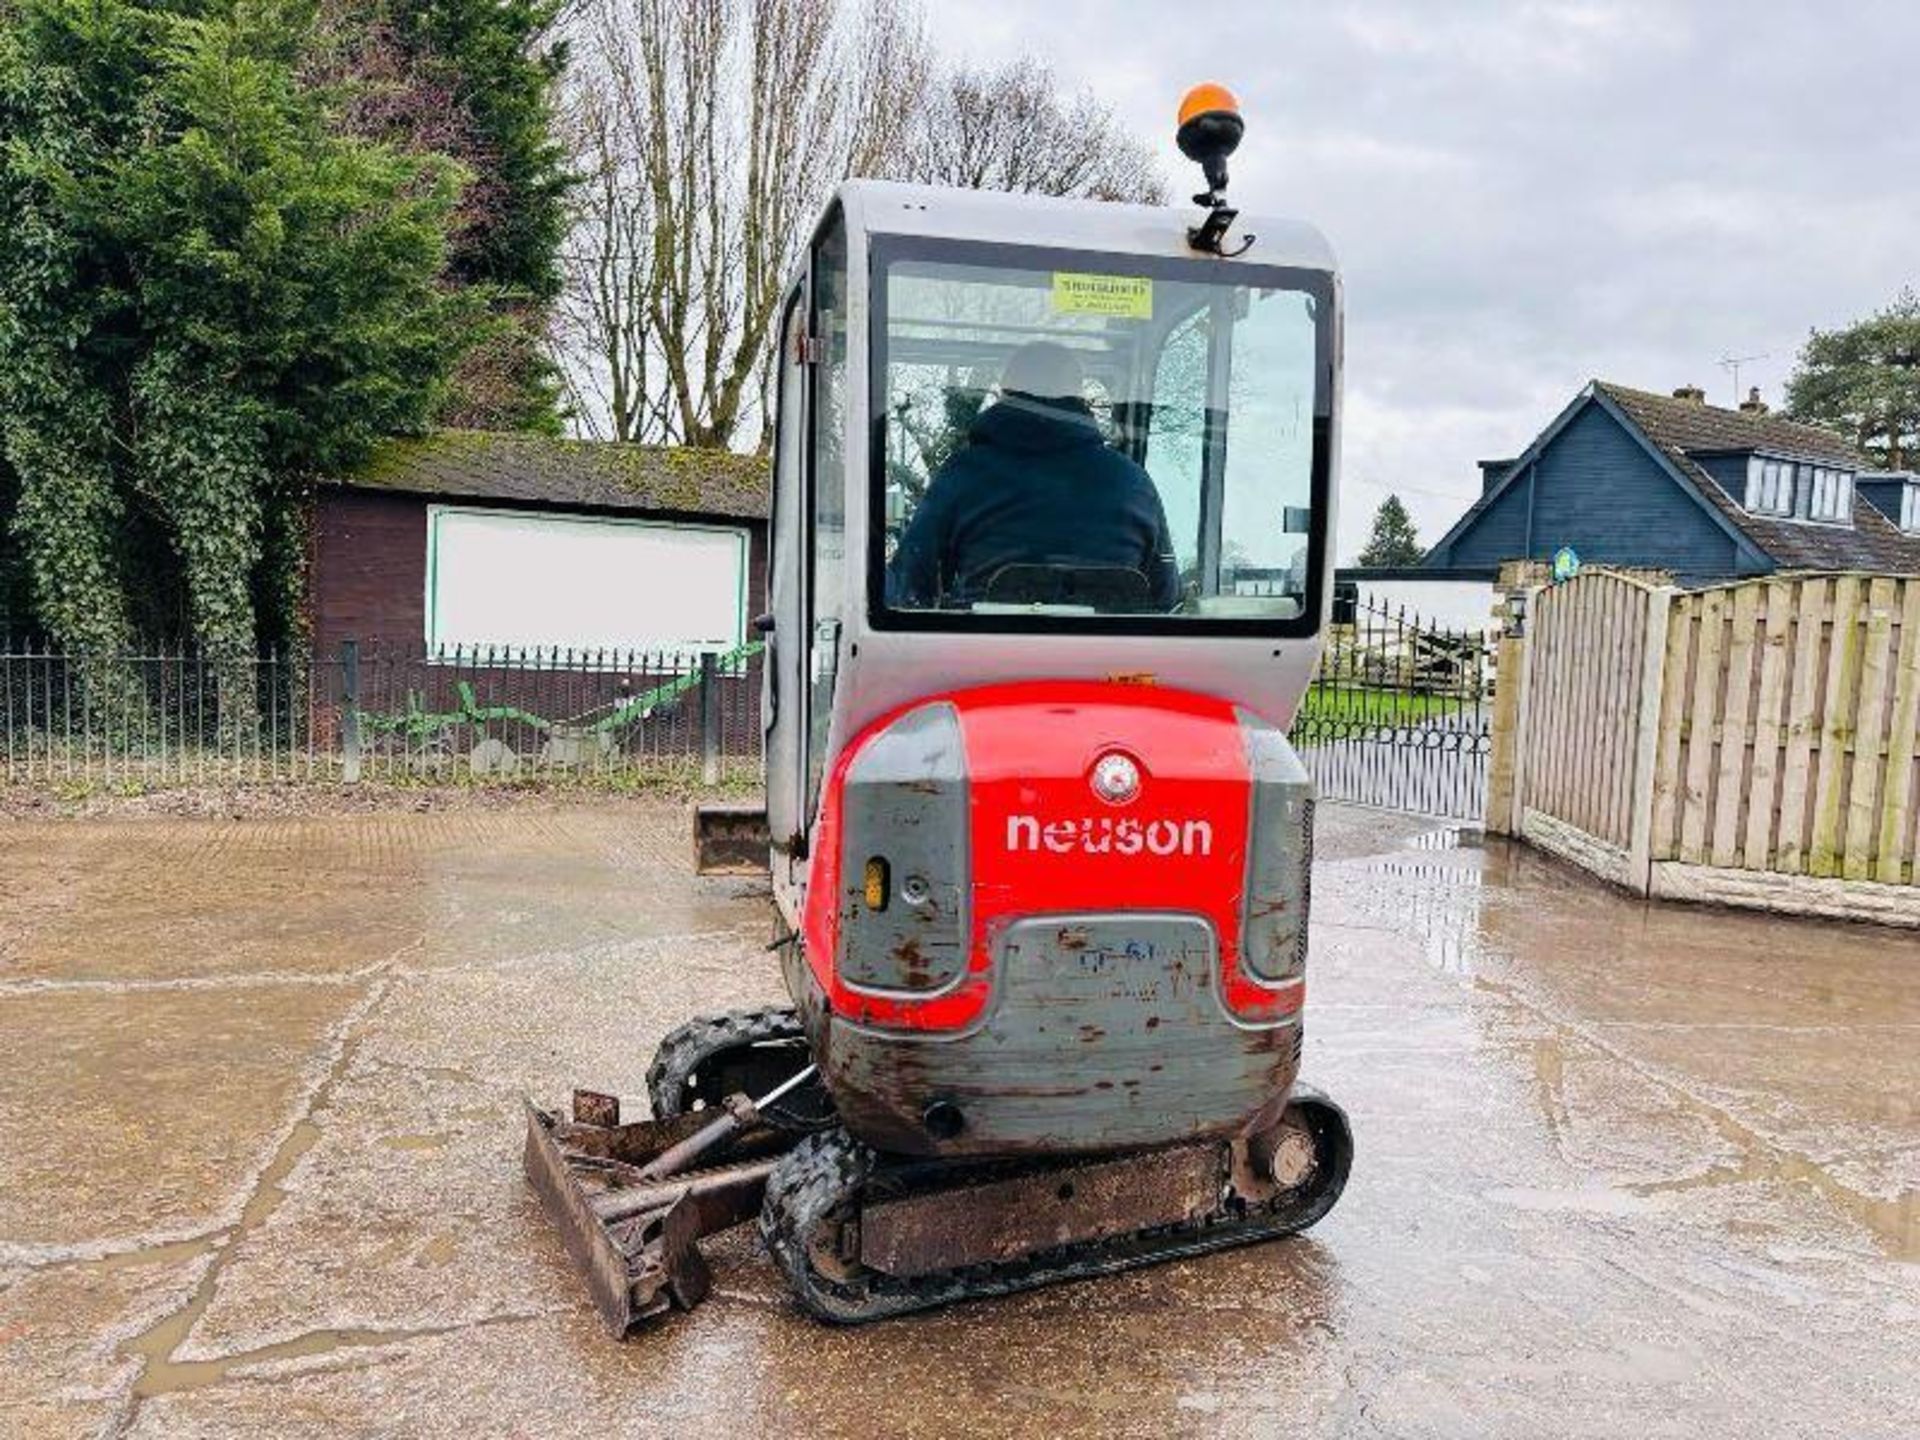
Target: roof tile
x=1684 y=428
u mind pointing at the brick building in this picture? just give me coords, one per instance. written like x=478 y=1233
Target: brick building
x=465 y=542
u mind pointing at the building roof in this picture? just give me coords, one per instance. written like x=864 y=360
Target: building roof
x=1678 y=430
x=1681 y=429
x=566 y=474
x=1694 y=425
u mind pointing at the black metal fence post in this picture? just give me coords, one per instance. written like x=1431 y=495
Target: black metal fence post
x=709 y=722
x=350 y=711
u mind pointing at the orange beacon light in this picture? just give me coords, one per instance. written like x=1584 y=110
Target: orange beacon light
x=1210 y=131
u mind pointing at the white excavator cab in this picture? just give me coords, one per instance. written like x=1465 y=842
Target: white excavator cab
x=1217 y=376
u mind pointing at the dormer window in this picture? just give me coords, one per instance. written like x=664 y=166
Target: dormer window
x=1830 y=496
x=1769 y=486
x=1797 y=490
x=1910 y=507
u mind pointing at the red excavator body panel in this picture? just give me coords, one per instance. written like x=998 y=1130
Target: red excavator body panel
x=999 y=957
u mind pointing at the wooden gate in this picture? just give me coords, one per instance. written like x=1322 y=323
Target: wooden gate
x=1588 y=689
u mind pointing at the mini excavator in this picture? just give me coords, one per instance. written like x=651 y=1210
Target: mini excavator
x=1038 y=843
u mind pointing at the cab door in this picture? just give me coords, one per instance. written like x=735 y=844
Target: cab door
x=783 y=701
x=828 y=396
x=807 y=579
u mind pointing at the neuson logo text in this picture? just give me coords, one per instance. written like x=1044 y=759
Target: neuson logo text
x=1103 y=834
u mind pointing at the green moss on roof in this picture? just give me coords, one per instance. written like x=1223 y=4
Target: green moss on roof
x=538 y=469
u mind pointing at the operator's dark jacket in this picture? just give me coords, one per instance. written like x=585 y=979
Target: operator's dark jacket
x=1036 y=484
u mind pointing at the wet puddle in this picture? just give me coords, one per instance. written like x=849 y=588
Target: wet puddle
x=154 y=1347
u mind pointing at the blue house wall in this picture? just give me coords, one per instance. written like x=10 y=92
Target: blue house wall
x=1884 y=495
x=1728 y=471
x=1595 y=487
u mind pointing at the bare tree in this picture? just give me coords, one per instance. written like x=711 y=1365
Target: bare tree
x=1009 y=129
x=708 y=131
x=602 y=325
x=707 y=134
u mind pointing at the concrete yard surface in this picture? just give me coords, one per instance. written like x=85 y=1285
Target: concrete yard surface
x=1621 y=1169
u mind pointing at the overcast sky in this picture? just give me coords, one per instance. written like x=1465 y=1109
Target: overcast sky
x=1525 y=196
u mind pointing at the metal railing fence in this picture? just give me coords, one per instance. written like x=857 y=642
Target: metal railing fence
x=179 y=717
x=1399 y=714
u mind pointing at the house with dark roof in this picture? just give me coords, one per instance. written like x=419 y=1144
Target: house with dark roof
x=464 y=542
x=1669 y=482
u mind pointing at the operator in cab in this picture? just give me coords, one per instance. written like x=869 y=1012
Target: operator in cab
x=1035 y=486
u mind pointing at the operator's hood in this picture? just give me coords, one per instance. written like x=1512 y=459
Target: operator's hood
x=1018 y=422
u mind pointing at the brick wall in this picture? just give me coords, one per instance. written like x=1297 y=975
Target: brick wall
x=369 y=575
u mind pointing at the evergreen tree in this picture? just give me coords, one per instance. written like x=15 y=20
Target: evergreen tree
x=475 y=80
x=206 y=296
x=1864 y=381
x=1394 y=540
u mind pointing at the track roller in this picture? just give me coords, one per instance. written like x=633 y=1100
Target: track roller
x=861 y=1236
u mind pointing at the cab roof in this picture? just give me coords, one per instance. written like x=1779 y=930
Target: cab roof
x=887 y=207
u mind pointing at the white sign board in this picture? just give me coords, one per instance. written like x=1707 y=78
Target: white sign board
x=547 y=584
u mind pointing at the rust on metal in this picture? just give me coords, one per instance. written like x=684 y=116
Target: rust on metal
x=721 y=1197
x=1107 y=1034
x=592 y=1107
x=632 y=1235
x=1064 y=1205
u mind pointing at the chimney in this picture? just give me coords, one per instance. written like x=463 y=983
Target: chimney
x=1692 y=394
x=1753 y=405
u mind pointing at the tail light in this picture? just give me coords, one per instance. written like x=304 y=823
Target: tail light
x=904 y=848
x=1273 y=911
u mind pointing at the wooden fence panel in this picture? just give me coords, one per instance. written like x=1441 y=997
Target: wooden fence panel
x=1709 y=678
x=1763 y=786
x=1869 y=732
x=1809 y=658
x=1770 y=725
x=1736 y=700
x=1789 y=734
x=1836 y=729
x=1897 y=845
x=1664 y=830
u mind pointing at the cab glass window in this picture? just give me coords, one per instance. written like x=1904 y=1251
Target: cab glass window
x=1119 y=442
x=828 y=489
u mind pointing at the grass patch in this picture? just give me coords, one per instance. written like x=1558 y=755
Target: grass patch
x=1375 y=705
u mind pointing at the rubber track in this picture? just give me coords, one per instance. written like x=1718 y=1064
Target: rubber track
x=687 y=1047
x=827 y=1171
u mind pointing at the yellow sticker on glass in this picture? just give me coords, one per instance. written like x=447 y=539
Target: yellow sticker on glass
x=1123 y=297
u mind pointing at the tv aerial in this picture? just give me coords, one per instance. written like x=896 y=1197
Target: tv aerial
x=1732 y=364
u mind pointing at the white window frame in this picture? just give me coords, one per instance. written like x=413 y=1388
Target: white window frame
x=1830 y=496
x=1910 y=507
x=1770 y=482
x=1799 y=490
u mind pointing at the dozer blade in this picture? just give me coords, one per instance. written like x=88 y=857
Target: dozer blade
x=730 y=839
x=633 y=1235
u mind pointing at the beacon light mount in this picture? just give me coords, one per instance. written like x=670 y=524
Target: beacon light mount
x=1209 y=131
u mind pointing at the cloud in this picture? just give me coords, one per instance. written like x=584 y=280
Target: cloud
x=1527 y=196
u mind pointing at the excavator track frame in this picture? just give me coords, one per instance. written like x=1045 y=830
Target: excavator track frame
x=815 y=1217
